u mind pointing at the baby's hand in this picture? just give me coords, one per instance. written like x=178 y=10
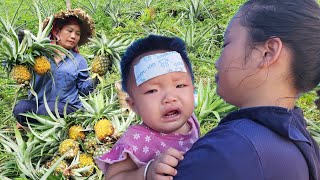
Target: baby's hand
x=163 y=167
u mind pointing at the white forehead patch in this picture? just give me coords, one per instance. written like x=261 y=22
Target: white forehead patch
x=158 y=64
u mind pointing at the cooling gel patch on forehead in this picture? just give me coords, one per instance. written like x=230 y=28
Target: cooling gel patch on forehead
x=158 y=64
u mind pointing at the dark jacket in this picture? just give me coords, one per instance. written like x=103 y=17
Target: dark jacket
x=260 y=143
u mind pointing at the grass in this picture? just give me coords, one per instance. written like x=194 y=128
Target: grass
x=306 y=102
x=7 y=93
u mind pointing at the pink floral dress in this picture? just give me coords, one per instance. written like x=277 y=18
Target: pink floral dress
x=143 y=144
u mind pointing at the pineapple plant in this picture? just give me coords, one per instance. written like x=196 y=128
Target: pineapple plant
x=85 y=160
x=99 y=109
x=21 y=74
x=69 y=147
x=41 y=65
x=209 y=104
x=103 y=115
x=26 y=154
x=103 y=129
x=106 y=53
x=98 y=105
x=76 y=132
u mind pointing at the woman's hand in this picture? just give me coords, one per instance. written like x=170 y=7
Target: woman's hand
x=163 y=167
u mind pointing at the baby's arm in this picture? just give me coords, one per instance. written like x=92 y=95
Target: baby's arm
x=123 y=170
x=162 y=167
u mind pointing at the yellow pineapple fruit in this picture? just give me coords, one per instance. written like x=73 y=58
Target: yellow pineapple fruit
x=41 y=65
x=76 y=132
x=69 y=146
x=21 y=74
x=86 y=160
x=101 y=65
x=103 y=128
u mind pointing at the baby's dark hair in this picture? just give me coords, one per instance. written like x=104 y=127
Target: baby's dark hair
x=151 y=43
x=297 y=24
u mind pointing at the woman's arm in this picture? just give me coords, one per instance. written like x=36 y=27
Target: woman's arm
x=84 y=83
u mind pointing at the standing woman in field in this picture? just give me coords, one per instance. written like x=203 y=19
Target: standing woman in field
x=69 y=79
x=270 y=56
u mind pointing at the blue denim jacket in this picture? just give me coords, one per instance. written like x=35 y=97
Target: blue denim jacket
x=68 y=79
x=260 y=143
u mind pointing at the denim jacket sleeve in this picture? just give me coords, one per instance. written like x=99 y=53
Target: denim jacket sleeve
x=84 y=83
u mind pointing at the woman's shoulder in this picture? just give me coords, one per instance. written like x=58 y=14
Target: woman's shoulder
x=248 y=149
x=246 y=131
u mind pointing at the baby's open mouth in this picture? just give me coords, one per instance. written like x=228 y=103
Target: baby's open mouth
x=171 y=113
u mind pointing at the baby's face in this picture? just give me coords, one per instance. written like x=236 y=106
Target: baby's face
x=164 y=102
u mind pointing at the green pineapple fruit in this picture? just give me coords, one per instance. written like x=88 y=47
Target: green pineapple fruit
x=90 y=143
x=101 y=65
x=101 y=149
x=69 y=146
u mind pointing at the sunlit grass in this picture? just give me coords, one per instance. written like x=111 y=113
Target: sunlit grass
x=306 y=102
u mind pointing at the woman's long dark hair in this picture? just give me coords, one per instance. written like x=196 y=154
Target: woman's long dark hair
x=297 y=24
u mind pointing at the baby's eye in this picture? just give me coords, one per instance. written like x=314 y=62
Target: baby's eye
x=151 y=91
x=181 y=85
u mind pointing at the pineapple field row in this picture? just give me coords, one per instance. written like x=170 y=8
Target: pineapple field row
x=65 y=147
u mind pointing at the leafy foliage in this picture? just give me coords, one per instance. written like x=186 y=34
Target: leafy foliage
x=201 y=23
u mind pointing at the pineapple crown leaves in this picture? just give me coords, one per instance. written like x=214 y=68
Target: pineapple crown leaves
x=209 y=102
x=52 y=168
x=102 y=46
x=51 y=128
x=8 y=23
x=11 y=146
x=98 y=105
x=314 y=129
x=123 y=123
x=46 y=129
x=11 y=50
x=42 y=33
x=23 y=152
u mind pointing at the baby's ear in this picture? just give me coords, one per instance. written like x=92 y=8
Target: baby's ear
x=131 y=103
